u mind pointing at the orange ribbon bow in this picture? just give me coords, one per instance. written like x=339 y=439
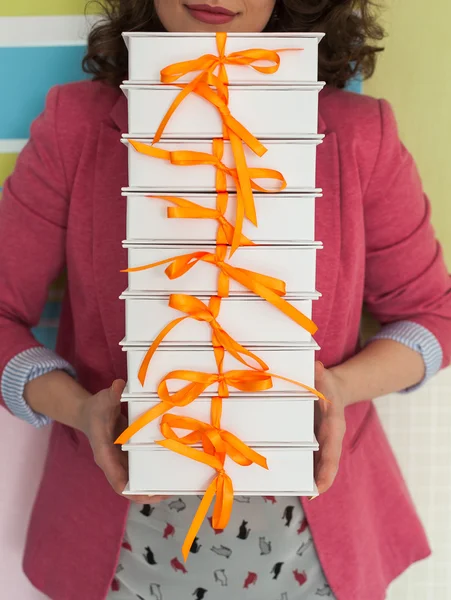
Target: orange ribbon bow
x=242 y=175
x=244 y=381
x=186 y=209
x=207 y=64
x=268 y=288
x=217 y=444
x=196 y=309
x=252 y=380
x=221 y=486
x=198 y=383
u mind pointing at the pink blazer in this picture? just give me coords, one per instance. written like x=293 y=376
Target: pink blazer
x=63 y=206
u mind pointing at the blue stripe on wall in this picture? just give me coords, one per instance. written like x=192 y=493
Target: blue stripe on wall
x=26 y=75
x=355 y=85
x=46 y=336
x=47 y=331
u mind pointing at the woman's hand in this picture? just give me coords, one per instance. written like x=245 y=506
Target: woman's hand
x=101 y=421
x=330 y=426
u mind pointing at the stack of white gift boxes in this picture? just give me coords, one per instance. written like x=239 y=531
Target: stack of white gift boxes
x=240 y=356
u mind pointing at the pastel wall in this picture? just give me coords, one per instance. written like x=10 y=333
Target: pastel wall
x=414 y=75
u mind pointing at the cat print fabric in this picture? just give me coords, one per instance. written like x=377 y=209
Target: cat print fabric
x=266 y=553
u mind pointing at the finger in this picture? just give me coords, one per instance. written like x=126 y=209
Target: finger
x=322 y=384
x=109 y=458
x=117 y=389
x=319 y=370
x=145 y=499
x=329 y=455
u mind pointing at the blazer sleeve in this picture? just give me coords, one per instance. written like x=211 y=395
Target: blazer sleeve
x=406 y=278
x=33 y=218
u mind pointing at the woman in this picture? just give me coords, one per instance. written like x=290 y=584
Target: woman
x=62 y=208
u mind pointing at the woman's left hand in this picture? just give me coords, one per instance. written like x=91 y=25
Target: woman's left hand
x=330 y=426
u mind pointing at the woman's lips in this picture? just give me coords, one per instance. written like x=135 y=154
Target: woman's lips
x=210 y=14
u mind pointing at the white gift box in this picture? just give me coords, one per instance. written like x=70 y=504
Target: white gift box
x=254 y=420
x=281 y=218
x=277 y=112
x=149 y=53
x=295 y=265
x=296 y=363
x=155 y=470
x=247 y=320
x=295 y=159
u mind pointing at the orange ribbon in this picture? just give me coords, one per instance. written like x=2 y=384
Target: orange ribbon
x=192 y=158
x=242 y=175
x=185 y=209
x=232 y=129
x=198 y=383
x=268 y=288
x=217 y=444
x=207 y=64
x=244 y=381
x=220 y=102
x=213 y=439
x=221 y=486
x=196 y=309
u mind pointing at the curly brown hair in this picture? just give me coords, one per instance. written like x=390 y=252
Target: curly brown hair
x=348 y=49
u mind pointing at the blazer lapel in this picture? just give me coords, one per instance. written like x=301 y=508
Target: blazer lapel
x=109 y=229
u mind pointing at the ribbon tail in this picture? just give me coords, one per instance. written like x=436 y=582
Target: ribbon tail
x=302 y=385
x=229 y=230
x=241 y=453
x=288 y=309
x=239 y=219
x=199 y=518
x=252 y=142
x=149 y=266
x=178 y=100
x=142 y=421
x=224 y=502
x=236 y=350
x=142 y=373
x=244 y=178
x=151 y=151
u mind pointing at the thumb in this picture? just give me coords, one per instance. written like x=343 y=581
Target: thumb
x=117 y=389
x=320 y=370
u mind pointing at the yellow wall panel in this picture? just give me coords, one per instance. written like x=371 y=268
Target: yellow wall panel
x=414 y=75
x=24 y=8
x=7 y=162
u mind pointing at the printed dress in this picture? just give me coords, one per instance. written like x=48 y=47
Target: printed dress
x=266 y=553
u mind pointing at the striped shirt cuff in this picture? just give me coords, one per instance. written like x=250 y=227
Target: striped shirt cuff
x=417 y=338
x=20 y=370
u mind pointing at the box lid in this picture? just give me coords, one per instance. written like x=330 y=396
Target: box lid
x=202 y=347
x=313 y=493
x=281 y=87
x=314 y=193
x=212 y=246
x=151 y=295
x=151 y=447
x=260 y=35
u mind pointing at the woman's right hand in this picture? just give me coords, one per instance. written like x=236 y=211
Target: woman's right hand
x=101 y=420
